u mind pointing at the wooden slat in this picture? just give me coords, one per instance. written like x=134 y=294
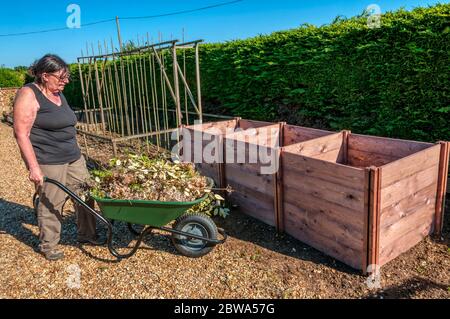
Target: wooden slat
x=385 y=146
x=357 y=158
x=408 y=185
x=324 y=209
x=294 y=134
x=221 y=125
x=253 y=194
x=238 y=175
x=348 y=217
x=317 y=146
x=211 y=136
x=352 y=218
x=415 y=217
x=265 y=136
x=248 y=204
x=334 y=156
x=210 y=150
x=408 y=200
x=324 y=190
x=246 y=124
x=208 y=142
x=410 y=165
x=321 y=223
x=252 y=169
x=236 y=154
x=323 y=170
x=406 y=241
x=407 y=206
x=327 y=148
x=321 y=240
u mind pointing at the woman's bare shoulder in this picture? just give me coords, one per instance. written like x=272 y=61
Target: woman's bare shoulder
x=25 y=95
x=25 y=91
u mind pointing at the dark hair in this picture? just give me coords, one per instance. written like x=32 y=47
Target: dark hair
x=49 y=63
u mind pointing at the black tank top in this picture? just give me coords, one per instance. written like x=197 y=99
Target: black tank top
x=53 y=135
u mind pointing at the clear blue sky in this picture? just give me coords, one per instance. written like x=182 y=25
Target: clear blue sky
x=236 y=21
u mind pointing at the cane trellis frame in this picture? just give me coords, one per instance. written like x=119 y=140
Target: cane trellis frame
x=126 y=94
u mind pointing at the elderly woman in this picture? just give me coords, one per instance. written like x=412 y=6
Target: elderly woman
x=44 y=128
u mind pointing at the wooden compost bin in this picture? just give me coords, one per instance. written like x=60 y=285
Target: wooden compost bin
x=363 y=200
x=212 y=134
x=255 y=187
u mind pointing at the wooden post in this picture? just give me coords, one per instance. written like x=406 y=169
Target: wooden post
x=221 y=165
x=279 y=207
x=197 y=76
x=237 y=119
x=373 y=218
x=442 y=188
x=366 y=232
x=114 y=145
x=83 y=92
x=99 y=96
x=176 y=85
x=345 y=136
x=118 y=34
x=86 y=145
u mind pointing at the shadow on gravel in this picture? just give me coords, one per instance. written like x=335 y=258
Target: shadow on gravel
x=408 y=289
x=18 y=221
x=246 y=228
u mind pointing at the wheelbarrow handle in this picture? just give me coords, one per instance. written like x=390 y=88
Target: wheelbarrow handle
x=108 y=224
x=91 y=211
x=76 y=198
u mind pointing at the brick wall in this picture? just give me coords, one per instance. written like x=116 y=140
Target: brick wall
x=6 y=99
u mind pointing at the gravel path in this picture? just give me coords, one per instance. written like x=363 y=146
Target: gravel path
x=253 y=263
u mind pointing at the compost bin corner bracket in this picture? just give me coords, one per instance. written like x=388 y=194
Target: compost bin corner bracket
x=442 y=187
x=279 y=199
x=373 y=224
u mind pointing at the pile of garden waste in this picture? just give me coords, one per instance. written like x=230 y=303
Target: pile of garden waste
x=139 y=177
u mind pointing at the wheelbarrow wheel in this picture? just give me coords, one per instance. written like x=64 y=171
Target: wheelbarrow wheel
x=196 y=224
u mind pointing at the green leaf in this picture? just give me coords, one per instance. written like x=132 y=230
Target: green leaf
x=445 y=109
x=218 y=197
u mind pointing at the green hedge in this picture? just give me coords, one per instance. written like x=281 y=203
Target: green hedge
x=11 y=78
x=390 y=81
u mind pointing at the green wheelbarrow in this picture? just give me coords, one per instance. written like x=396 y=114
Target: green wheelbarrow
x=193 y=234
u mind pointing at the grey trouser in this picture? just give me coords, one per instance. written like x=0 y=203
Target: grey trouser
x=52 y=199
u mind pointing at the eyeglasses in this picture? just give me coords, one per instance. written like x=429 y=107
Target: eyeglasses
x=66 y=77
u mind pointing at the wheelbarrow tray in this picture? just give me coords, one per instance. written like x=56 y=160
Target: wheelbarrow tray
x=152 y=213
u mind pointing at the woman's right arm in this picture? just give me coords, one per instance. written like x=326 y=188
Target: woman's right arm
x=25 y=110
